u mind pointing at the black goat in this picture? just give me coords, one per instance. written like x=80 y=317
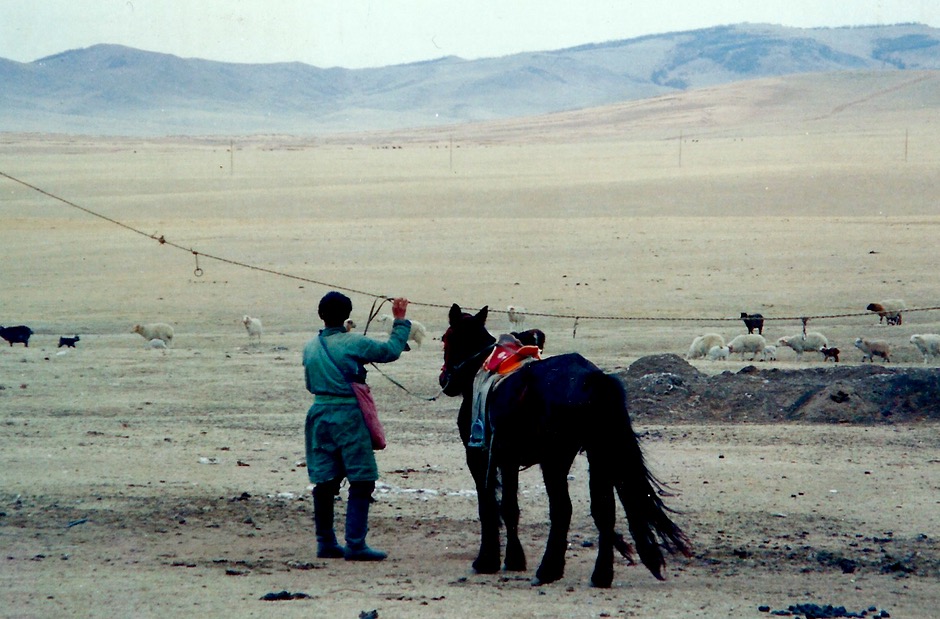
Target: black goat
x=16 y=335
x=752 y=322
x=68 y=341
x=532 y=337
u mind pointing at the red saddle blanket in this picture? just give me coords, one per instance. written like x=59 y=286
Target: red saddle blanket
x=510 y=355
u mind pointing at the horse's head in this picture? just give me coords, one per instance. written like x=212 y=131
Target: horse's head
x=466 y=344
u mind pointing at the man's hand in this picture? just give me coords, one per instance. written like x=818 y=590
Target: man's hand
x=399 y=307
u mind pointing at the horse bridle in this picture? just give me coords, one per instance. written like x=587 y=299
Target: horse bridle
x=457 y=368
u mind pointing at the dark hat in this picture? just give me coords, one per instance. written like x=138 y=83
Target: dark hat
x=335 y=307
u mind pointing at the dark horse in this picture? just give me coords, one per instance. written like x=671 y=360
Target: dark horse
x=546 y=413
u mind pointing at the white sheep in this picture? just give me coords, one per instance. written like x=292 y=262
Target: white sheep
x=156 y=343
x=873 y=348
x=417 y=334
x=702 y=344
x=888 y=310
x=812 y=341
x=927 y=343
x=349 y=325
x=516 y=317
x=770 y=353
x=155 y=331
x=748 y=342
x=253 y=326
x=718 y=353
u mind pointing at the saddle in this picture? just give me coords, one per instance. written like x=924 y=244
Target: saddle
x=508 y=356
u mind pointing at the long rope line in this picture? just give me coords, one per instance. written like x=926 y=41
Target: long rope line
x=164 y=241
x=576 y=317
x=380 y=299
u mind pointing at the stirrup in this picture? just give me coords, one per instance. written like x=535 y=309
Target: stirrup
x=477 y=434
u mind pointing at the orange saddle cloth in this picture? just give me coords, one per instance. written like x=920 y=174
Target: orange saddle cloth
x=509 y=355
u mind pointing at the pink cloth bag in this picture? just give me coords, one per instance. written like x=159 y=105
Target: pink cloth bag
x=369 y=414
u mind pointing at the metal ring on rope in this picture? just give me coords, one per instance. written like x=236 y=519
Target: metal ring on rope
x=198 y=271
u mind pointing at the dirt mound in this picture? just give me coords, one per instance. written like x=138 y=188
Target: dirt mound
x=669 y=389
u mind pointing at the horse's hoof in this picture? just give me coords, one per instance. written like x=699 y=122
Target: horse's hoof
x=515 y=566
x=601 y=583
x=486 y=567
x=541 y=579
x=602 y=577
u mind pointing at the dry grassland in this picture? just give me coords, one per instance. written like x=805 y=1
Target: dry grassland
x=624 y=231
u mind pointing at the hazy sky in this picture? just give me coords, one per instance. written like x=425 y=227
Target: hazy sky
x=362 y=33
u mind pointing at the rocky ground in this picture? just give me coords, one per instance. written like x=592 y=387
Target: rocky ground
x=666 y=388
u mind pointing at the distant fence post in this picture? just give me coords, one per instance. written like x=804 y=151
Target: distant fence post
x=680 y=148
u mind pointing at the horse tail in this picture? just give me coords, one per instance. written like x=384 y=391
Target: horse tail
x=637 y=487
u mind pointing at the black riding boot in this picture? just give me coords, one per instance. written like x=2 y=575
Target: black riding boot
x=327 y=546
x=357 y=523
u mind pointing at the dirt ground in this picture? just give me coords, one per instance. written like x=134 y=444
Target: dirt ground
x=150 y=483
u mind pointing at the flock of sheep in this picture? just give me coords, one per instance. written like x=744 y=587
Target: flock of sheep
x=159 y=335
x=713 y=347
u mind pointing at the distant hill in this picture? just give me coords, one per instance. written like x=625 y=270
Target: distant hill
x=114 y=90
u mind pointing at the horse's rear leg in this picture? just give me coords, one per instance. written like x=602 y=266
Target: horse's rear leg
x=487 y=561
x=552 y=567
x=604 y=511
x=509 y=508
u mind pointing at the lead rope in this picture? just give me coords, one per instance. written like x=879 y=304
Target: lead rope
x=484 y=350
x=406 y=389
x=374 y=311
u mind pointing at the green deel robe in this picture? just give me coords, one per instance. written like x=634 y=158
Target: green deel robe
x=337 y=440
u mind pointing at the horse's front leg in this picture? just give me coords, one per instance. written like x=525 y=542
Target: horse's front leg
x=552 y=567
x=509 y=508
x=487 y=561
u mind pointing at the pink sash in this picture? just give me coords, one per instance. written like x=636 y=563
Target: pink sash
x=369 y=414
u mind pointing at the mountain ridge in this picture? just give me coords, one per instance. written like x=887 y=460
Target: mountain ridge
x=114 y=89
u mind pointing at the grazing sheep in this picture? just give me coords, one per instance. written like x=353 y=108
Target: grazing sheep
x=253 y=326
x=873 y=348
x=812 y=341
x=68 y=341
x=516 y=317
x=752 y=322
x=927 y=343
x=830 y=353
x=704 y=343
x=753 y=343
x=16 y=335
x=156 y=343
x=349 y=325
x=888 y=310
x=770 y=353
x=719 y=353
x=155 y=331
x=418 y=332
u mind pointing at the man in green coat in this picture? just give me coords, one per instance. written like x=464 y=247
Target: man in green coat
x=338 y=444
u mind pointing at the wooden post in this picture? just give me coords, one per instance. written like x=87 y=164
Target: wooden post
x=680 y=148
